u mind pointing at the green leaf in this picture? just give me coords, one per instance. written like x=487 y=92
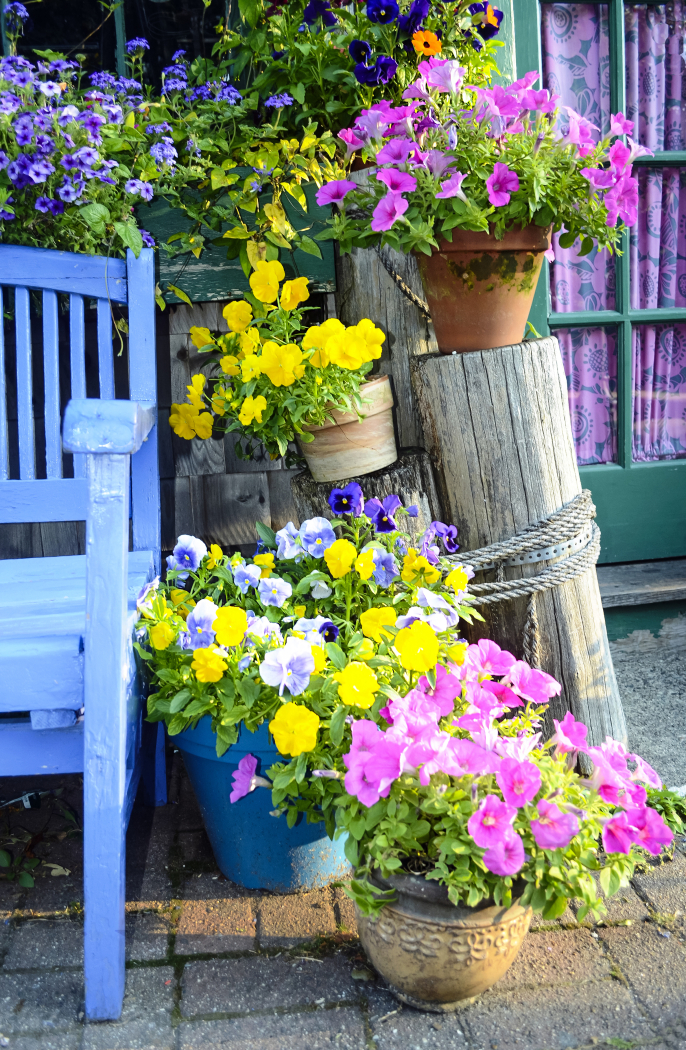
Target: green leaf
x=96 y=215
x=245 y=261
x=567 y=240
x=587 y=246
x=301 y=767
x=179 y=294
x=5 y=859
x=291 y=816
x=337 y=724
x=351 y=851
x=267 y=535
x=143 y=653
x=299 y=92
x=336 y=655
x=250 y=12
x=554 y=910
x=610 y=880
x=130 y=236
x=24 y=879
x=249 y=690
x=179 y=701
x=310 y=246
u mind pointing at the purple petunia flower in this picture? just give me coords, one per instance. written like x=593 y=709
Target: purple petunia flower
x=289 y=668
x=56 y=207
x=42 y=204
x=9 y=103
x=501 y=184
x=4 y=214
x=187 y=554
x=397 y=181
x=335 y=191
x=349 y=500
x=316 y=536
x=381 y=513
x=44 y=144
x=274 y=591
x=23 y=129
x=244 y=778
x=199 y=624
x=387 y=212
x=49 y=88
x=137 y=187
x=137 y=44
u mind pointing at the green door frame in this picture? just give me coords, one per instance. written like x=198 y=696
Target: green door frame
x=641 y=506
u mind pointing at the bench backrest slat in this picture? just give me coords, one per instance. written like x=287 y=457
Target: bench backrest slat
x=4 y=444
x=51 y=381
x=27 y=440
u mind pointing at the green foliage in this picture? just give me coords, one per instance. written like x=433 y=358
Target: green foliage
x=671 y=806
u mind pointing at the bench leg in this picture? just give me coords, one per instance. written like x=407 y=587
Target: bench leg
x=154 y=771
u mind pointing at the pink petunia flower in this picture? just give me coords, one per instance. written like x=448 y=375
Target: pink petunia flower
x=553 y=829
x=366 y=736
x=645 y=772
x=389 y=209
x=607 y=782
x=244 y=779
x=617 y=835
x=492 y=820
x=488 y=658
x=507 y=856
x=501 y=185
x=649 y=829
x=600 y=178
x=446 y=78
x=447 y=689
x=519 y=782
x=396 y=151
x=619 y=156
x=532 y=684
x=619 y=125
x=351 y=141
x=334 y=192
x=397 y=181
x=525 y=82
x=622 y=202
x=580 y=133
x=452 y=187
x=570 y=735
x=541 y=101
x=369 y=777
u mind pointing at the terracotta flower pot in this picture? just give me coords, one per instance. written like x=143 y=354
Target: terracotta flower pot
x=480 y=290
x=434 y=954
x=348 y=446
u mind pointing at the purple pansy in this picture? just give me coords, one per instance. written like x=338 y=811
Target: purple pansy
x=274 y=591
x=381 y=513
x=199 y=624
x=247 y=576
x=289 y=668
x=385 y=568
x=349 y=500
x=187 y=555
x=316 y=536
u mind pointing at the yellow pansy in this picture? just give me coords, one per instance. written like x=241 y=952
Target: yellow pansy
x=251 y=366
x=374 y=620
x=457 y=579
x=215 y=556
x=294 y=292
x=357 y=685
x=348 y=350
x=203 y=425
x=219 y=399
x=282 y=364
x=229 y=365
x=237 y=315
x=294 y=729
x=457 y=653
x=339 y=558
x=365 y=564
x=266 y=563
x=200 y=336
x=208 y=665
x=195 y=390
x=365 y=650
x=317 y=338
x=320 y=658
x=230 y=625
x=249 y=341
x=415 y=564
x=264 y=282
x=299 y=610
x=182 y=420
x=417 y=647
x=372 y=336
x=252 y=408
x=161 y=635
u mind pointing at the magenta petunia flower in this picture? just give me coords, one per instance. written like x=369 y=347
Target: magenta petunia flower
x=501 y=184
x=488 y=658
x=553 y=829
x=532 y=684
x=447 y=689
x=334 y=192
x=519 y=782
x=395 y=152
x=570 y=735
x=622 y=202
x=649 y=829
x=607 y=782
x=507 y=856
x=446 y=78
x=244 y=779
x=370 y=774
x=452 y=187
x=397 y=181
x=617 y=835
x=492 y=820
x=619 y=125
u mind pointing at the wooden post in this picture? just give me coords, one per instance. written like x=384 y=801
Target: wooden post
x=497 y=425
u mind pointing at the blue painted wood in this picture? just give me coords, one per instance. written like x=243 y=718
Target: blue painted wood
x=4 y=448
x=59 y=499
x=41 y=673
x=115 y=427
x=77 y=349
x=93 y=276
x=26 y=752
x=51 y=381
x=154 y=773
x=105 y=353
x=27 y=451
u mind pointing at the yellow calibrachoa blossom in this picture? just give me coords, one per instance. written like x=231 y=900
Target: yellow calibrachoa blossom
x=266 y=564
x=457 y=579
x=252 y=408
x=215 y=556
x=339 y=558
x=161 y=635
x=357 y=685
x=282 y=364
x=195 y=390
x=417 y=647
x=187 y=422
x=415 y=564
x=230 y=625
x=294 y=729
x=374 y=620
x=229 y=365
x=294 y=292
x=200 y=336
x=265 y=281
x=251 y=366
x=320 y=658
x=237 y=315
x=365 y=564
x=208 y=665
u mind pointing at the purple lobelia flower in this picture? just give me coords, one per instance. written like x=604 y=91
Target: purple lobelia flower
x=187 y=555
x=247 y=576
x=289 y=668
x=137 y=44
x=316 y=536
x=199 y=624
x=349 y=500
x=381 y=513
x=245 y=780
x=274 y=591
x=164 y=152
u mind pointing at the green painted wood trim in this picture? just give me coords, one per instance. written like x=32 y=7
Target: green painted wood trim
x=596 y=317
x=663 y=159
x=120 y=30
x=5 y=41
x=625 y=619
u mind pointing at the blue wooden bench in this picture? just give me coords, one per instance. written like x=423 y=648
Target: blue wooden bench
x=72 y=701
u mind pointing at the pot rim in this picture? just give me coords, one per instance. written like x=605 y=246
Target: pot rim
x=433 y=892
x=528 y=238
x=344 y=418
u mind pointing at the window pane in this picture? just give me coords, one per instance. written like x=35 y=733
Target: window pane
x=659 y=391
x=655 y=80
x=658 y=242
x=589 y=357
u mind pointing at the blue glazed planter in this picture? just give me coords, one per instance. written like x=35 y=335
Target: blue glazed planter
x=251 y=847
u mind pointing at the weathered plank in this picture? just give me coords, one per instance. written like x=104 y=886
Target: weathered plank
x=498 y=427
x=282 y=506
x=642 y=583
x=219 y=508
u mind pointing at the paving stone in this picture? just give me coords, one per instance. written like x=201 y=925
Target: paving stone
x=49 y=1040
x=45 y=944
x=215 y=925
x=146 y=1015
x=203 y=886
x=543 y=1019
x=344 y=912
x=552 y=957
x=148 y=845
x=196 y=849
x=664 y=886
x=626 y=904
x=399 y=1027
x=337 y=1029
x=293 y=918
x=31 y=1002
x=263 y=982
x=568 y=918
x=147 y=936
x=654 y=966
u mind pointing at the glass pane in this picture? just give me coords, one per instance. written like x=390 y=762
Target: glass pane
x=655 y=74
x=589 y=357
x=659 y=391
x=658 y=241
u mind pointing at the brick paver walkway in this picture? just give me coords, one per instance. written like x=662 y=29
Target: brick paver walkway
x=211 y=965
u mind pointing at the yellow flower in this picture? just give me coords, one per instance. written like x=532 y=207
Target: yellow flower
x=348 y=350
x=195 y=390
x=339 y=558
x=200 y=337
x=229 y=365
x=294 y=729
x=417 y=647
x=249 y=341
x=294 y=292
x=457 y=579
x=161 y=635
x=282 y=364
x=265 y=281
x=365 y=650
x=299 y=610
x=208 y=665
x=266 y=563
x=357 y=685
x=365 y=564
x=426 y=43
x=251 y=366
x=216 y=555
x=203 y=425
x=182 y=420
x=417 y=565
x=219 y=402
x=178 y=595
x=317 y=337
x=252 y=408
x=372 y=336
x=373 y=621
x=237 y=315
x=230 y=625
x=457 y=653
x=320 y=658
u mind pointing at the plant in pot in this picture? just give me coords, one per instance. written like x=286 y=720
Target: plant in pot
x=274 y=383
x=474 y=180
x=291 y=643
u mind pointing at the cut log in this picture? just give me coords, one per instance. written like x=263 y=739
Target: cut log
x=410 y=478
x=497 y=425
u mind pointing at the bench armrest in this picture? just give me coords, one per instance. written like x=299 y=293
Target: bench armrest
x=92 y=425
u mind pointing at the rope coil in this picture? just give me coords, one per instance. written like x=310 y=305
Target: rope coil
x=404 y=287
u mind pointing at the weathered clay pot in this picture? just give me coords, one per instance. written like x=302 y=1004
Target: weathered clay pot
x=480 y=290
x=348 y=446
x=434 y=954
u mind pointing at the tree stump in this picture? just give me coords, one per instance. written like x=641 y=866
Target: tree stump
x=410 y=477
x=497 y=425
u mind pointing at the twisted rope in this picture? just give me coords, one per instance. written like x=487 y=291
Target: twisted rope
x=404 y=287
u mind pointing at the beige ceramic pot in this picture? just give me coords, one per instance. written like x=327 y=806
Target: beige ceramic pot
x=434 y=954
x=347 y=446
